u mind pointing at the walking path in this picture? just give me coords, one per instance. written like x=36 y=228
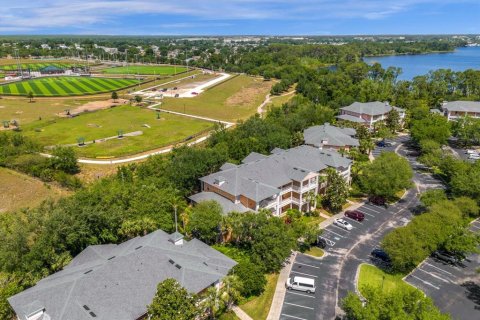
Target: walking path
x=280 y=290
x=240 y=313
x=268 y=99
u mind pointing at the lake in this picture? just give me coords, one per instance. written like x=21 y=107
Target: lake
x=414 y=65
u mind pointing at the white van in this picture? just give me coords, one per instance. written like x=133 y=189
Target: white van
x=301 y=284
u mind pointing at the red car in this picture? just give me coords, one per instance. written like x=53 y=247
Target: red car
x=355 y=215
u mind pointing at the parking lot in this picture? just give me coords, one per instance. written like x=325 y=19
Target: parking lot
x=455 y=289
x=321 y=305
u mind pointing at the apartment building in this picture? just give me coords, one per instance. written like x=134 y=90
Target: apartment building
x=459 y=109
x=368 y=113
x=283 y=180
x=327 y=136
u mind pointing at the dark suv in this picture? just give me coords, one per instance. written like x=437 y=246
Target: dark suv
x=445 y=257
x=355 y=215
x=384 y=144
x=378 y=200
x=379 y=254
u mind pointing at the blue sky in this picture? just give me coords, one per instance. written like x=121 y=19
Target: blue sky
x=237 y=17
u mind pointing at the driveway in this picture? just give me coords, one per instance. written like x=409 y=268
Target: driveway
x=335 y=273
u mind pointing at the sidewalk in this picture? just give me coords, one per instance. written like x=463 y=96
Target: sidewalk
x=240 y=313
x=277 y=302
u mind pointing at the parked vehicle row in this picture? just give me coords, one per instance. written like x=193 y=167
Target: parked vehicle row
x=473 y=154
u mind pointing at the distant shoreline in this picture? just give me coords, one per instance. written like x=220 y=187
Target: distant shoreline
x=411 y=54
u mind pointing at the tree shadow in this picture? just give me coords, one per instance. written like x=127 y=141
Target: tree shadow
x=472 y=293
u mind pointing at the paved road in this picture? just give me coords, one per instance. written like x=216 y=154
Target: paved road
x=335 y=273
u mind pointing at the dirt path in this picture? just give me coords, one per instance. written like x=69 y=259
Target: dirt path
x=268 y=99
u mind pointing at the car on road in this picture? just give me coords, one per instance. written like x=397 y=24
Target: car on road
x=343 y=224
x=379 y=254
x=321 y=243
x=474 y=156
x=444 y=257
x=384 y=144
x=194 y=93
x=355 y=215
x=301 y=284
x=378 y=200
x=471 y=151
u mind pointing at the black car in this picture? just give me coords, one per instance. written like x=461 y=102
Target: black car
x=378 y=200
x=384 y=144
x=381 y=255
x=321 y=243
x=445 y=257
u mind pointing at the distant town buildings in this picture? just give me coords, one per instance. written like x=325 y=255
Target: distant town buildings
x=119 y=281
x=368 y=113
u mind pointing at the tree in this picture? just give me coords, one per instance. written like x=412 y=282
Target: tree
x=386 y=175
x=64 y=159
x=114 y=96
x=434 y=127
x=10 y=285
x=30 y=96
x=337 y=191
x=205 y=221
x=393 y=120
x=252 y=278
x=172 y=302
x=432 y=196
x=392 y=305
x=138 y=99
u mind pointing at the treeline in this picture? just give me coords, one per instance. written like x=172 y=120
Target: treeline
x=21 y=153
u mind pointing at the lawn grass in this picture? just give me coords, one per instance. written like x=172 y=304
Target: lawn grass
x=150 y=70
x=373 y=276
x=315 y=251
x=106 y=123
x=232 y=252
x=258 y=307
x=65 y=86
x=231 y=100
x=315 y=221
x=230 y=315
x=18 y=191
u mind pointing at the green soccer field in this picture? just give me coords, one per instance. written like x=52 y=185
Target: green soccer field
x=150 y=70
x=65 y=86
x=36 y=66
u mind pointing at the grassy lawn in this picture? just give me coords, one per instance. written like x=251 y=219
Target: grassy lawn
x=106 y=123
x=153 y=70
x=65 y=86
x=258 y=307
x=278 y=101
x=229 y=316
x=315 y=251
x=234 y=99
x=25 y=112
x=373 y=276
x=18 y=190
x=232 y=252
x=313 y=220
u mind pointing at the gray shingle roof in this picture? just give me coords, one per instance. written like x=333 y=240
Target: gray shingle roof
x=331 y=135
x=119 y=281
x=370 y=108
x=462 y=106
x=226 y=204
x=350 y=118
x=263 y=178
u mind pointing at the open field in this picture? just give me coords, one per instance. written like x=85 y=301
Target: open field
x=234 y=99
x=373 y=276
x=37 y=66
x=150 y=70
x=20 y=191
x=65 y=86
x=5 y=61
x=24 y=112
x=106 y=123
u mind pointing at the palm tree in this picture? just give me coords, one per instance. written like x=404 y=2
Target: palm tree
x=231 y=290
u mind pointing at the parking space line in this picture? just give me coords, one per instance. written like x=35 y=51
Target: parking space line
x=308 y=265
x=439 y=269
x=333 y=233
x=425 y=282
x=289 y=316
x=368 y=214
x=475 y=226
x=299 y=294
x=306 y=274
x=435 y=276
x=366 y=207
x=350 y=219
x=340 y=228
x=298 y=305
